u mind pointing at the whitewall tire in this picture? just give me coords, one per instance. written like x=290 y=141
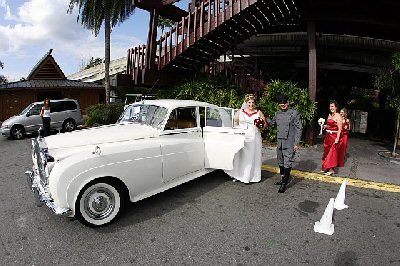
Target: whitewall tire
x=98 y=204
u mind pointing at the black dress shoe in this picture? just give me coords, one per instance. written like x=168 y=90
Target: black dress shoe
x=285 y=180
x=282 y=188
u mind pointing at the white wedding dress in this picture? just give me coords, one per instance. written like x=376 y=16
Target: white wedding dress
x=247 y=162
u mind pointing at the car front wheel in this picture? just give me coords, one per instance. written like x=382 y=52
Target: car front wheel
x=98 y=204
x=17 y=132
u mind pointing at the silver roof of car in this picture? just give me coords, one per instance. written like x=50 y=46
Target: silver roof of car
x=58 y=100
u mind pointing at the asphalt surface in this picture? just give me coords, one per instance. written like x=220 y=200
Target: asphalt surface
x=209 y=221
x=364 y=160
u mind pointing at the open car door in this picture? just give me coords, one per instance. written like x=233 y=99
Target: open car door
x=221 y=140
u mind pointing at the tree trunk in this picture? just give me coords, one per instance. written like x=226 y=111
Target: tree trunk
x=396 y=138
x=107 y=29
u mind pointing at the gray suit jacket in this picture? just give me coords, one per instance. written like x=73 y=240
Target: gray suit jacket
x=289 y=127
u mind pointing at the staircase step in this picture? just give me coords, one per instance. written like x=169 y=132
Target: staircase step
x=209 y=32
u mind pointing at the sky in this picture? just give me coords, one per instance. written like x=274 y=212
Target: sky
x=30 y=28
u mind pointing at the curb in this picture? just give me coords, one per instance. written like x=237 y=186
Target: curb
x=389 y=158
x=337 y=180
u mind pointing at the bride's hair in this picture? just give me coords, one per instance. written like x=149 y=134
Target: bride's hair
x=249 y=97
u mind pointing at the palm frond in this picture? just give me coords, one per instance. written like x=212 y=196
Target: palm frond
x=93 y=13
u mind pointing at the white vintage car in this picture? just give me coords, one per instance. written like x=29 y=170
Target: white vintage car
x=156 y=145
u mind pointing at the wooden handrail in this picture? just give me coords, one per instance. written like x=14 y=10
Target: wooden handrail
x=191 y=26
x=184 y=33
x=252 y=83
x=202 y=20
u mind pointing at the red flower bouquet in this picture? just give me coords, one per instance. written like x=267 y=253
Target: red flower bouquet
x=259 y=122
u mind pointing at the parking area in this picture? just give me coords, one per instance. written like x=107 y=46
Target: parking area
x=209 y=221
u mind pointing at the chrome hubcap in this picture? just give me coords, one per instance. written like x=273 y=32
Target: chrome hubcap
x=69 y=126
x=99 y=203
x=18 y=133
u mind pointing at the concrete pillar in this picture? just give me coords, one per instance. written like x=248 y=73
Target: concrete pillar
x=312 y=61
x=312 y=74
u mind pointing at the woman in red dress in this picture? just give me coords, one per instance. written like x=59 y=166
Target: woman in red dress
x=332 y=139
x=345 y=137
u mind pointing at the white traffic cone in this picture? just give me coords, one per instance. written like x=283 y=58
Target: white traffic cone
x=339 y=201
x=325 y=225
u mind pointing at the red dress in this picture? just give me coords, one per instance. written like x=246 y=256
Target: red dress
x=331 y=150
x=344 y=142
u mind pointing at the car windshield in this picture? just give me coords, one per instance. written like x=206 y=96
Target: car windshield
x=150 y=115
x=26 y=109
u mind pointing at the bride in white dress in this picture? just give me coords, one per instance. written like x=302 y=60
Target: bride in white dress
x=247 y=162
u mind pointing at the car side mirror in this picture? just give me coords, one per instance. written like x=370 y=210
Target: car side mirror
x=28 y=114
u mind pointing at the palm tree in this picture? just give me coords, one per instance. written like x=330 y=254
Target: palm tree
x=93 y=13
x=164 y=22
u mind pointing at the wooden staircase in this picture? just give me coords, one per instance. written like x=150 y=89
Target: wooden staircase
x=211 y=29
x=250 y=83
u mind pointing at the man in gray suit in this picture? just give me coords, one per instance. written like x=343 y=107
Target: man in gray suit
x=289 y=134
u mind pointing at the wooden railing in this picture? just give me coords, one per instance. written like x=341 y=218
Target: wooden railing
x=205 y=18
x=209 y=30
x=248 y=82
x=136 y=62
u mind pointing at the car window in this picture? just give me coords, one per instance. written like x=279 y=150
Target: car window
x=202 y=113
x=150 y=115
x=70 y=105
x=26 y=109
x=219 y=117
x=35 y=110
x=172 y=121
x=180 y=118
x=56 y=107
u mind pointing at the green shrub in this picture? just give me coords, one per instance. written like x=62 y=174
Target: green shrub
x=298 y=98
x=216 y=90
x=103 y=114
x=220 y=91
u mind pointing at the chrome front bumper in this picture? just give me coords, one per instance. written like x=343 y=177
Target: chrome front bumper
x=42 y=197
x=5 y=132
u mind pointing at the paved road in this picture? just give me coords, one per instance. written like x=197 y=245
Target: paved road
x=209 y=221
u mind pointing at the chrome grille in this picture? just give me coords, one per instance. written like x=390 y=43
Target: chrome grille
x=39 y=162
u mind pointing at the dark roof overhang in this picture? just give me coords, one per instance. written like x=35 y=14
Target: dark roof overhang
x=26 y=84
x=165 y=8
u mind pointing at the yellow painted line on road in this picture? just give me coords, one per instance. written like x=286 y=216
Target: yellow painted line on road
x=337 y=180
